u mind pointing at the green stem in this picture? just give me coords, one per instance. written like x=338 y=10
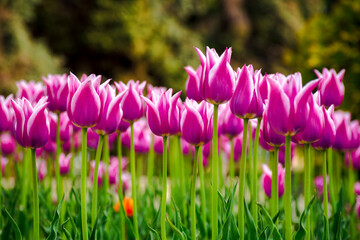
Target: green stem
x=202 y=186
x=351 y=182
x=221 y=175
x=120 y=189
x=232 y=162
x=307 y=187
x=249 y=159
x=255 y=174
x=275 y=183
x=193 y=192
x=94 y=203
x=331 y=179
x=35 y=195
x=182 y=179
x=107 y=162
x=150 y=170
x=214 y=171
x=325 y=194
x=241 y=214
x=133 y=181
x=287 y=195
x=24 y=179
x=83 y=184
x=59 y=183
x=164 y=189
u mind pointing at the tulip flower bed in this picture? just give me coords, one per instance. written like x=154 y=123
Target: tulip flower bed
x=245 y=155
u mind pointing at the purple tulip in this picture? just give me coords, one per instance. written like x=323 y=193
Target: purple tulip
x=92 y=139
x=357 y=188
x=42 y=170
x=66 y=127
x=6 y=114
x=111 y=112
x=64 y=163
x=131 y=103
x=49 y=147
x=8 y=144
x=267 y=134
x=53 y=124
x=266 y=180
x=32 y=125
x=328 y=137
x=318 y=182
x=354 y=141
x=315 y=124
x=331 y=87
x=193 y=83
x=30 y=90
x=185 y=146
x=217 y=78
x=196 y=122
x=264 y=86
x=114 y=169
x=162 y=113
x=288 y=109
x=229 y=124
x=158 y=144
x=101 y=172
x=246 y=101
x=57 y=91
x=355 y=157
x=142 y=136
x=4 y=162
x=83 y=103
x=282 y=153
x=357 y=206
x=343 y=131
x=237 y=141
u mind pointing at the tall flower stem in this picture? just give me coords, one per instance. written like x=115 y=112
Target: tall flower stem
x=193 y=191
x=83 y=184
x=35 y=195
x=133 y=181
x=107 y=162
x=325 y=193
x=24 y=179
x=241 y=214
x=120 y=188
x=164 y=189
x=94 y=203
x=59 y=183
x=351 y=182
x=331 y=178
x=232 y=162
x=150 y=170
x=221 y=173
x=202 y=186
x=214 y=171
x=182 y=178
x=287 y=196
x=275 y=183
x=307 y=188
x=254 y=181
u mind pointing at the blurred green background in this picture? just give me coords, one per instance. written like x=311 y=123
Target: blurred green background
x=153 y=39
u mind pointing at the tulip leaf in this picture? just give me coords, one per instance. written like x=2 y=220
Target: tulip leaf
x=200 y=222
x=250 y=223
x=5 y=213
x=55 y=222
x=177 y=231
x=301 y=232
x=270 y=223
x=263 y=235
x=153 y=233
x=67 y=233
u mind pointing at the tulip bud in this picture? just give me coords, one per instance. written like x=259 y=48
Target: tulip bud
x=32 y=91
x=331 y=87
x=32 y=125
x=83 y=103
x=193 y=83
x=196 y=122
x=64 y=163
x=246 y=101
x=6 y=114
x=8 y=144
x=57 y=92
x=266 y=180
x=328 y=136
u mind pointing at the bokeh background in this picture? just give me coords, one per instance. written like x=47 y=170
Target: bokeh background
x=153 y=39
